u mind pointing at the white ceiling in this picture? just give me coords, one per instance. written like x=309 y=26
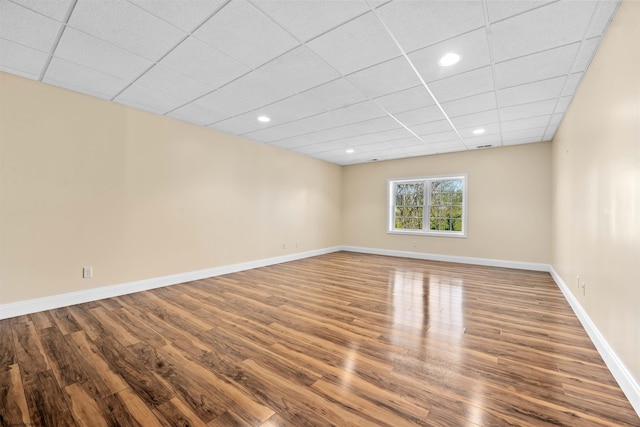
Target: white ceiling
x=331 y=74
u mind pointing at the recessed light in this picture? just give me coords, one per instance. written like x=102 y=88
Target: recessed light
x=264 y=119
x=350 y=151
x=478 y=131
x=449 y=59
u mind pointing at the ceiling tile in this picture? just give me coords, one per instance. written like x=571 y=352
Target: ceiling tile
x=56 y=9
x=407 y=142
x=603 y=14
x=335 y=94
x=248 y=122
x=586 y=52
x=520 y=141
x=539 y=66
x=332 y=155
x=146 y=99
x=419 y=150
x=308 y=19
x=525 y=123
x=476 y=119
x=21 y=58
x=223 y=103
x=431 y=127
x=285 y=131
x=551 y=26
x=298 y=142
x=299 y=69
x=212 y=66
x=422 y=23
x=197 y=114
x=531 y=92
x=91 y=52
x=385 y=78
x=82 y=79
x=523 y=136
x=571 y=85
x=308 y=149
x=325 y=149
x=254 y=42
x=184 y=14
x=563 y=104
x=356 y=113
x=295 y=107
x=448 y=147
x=336 y=134
x=20 y=73
x=556 y=119
x=257 y=89
x=441 y=137
x=165 y=80
x=550 y=133
x=355 y=45
x=472 y=47
x=379 y=124
x=315 y=123
x=374 y=147
x=501 y=9
x=387 y=135
x=471 y=104
x=533 y=109
x=420 y=115
x=463 y=85
x=329 y=145
x=127 y=26
x=17 y=24
x=405 y=100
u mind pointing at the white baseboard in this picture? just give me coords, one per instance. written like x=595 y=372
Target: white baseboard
x=63 y=300
x=451 y=258
x=625 y=379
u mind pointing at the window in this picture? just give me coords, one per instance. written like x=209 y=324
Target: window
x=434 y=205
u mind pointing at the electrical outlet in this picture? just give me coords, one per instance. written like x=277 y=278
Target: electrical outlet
x=297 y=244
x=584 y=288
x=87 y=272
x=284 y=246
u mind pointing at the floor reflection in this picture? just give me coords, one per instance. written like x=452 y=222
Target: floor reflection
x=420 y=302
x=349 y=366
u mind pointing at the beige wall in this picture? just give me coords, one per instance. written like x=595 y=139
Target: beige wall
x=508 y=205
x=136 y=196
x=596 y=166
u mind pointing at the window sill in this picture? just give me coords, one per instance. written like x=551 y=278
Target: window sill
x=432 y=234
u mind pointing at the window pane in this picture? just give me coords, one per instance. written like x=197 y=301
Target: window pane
x=457 y=197
x=444 y=211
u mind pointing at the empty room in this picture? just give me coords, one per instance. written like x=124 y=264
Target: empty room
x=319 y=213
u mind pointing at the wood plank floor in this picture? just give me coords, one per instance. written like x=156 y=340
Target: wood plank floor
x=342 y=339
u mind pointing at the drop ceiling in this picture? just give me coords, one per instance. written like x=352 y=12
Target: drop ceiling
x=331 y=75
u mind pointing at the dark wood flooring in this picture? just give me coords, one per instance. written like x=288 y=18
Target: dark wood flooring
x=342 y=339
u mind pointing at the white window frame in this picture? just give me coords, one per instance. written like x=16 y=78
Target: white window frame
x=425 y=231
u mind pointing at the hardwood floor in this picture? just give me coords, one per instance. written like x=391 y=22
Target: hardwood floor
x=342 y=339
